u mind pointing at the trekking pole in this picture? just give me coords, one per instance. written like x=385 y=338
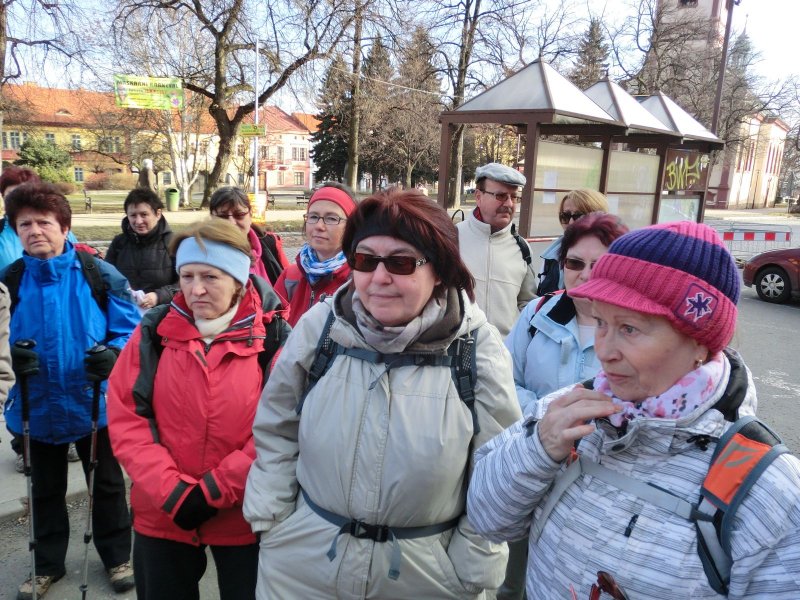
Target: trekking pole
x=26 y=461
x=87 y=536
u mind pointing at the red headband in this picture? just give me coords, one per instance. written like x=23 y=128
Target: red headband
x=335 y=195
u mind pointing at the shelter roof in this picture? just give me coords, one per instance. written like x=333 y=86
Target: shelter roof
x=624 y=108
x=539 y=88
x=673 y=116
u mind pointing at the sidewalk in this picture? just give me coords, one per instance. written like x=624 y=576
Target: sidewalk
x=13 y=488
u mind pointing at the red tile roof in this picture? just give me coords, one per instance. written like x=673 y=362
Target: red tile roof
x=310 y=121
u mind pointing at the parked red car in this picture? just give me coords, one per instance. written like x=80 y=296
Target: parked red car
x=776 y=274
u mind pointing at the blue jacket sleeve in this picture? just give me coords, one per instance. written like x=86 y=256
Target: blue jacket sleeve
x=122 y=313
x=517 y=343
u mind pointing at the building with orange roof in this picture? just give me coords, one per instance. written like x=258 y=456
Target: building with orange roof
x=104 y=138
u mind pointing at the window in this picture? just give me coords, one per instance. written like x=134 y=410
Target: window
x=241 y=178
x=204 y=147
x=687 y=3
x=14 y=137
x=50 y=137
x=166 y=178
x=108 y=144
x=279 y=154
x=280 y=177
x=76 y=143
x=240 y=150
x=5 y=141
x=262 y=152
x=298 y=153
x=78 y=171
x=299 y=178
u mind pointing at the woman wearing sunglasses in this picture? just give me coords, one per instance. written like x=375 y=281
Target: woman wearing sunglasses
x=232 y=204
x=320 y=267
x=359 y=483
x=604 y=480
x=574 y=205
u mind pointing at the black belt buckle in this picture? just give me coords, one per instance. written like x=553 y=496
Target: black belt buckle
x=365 y=531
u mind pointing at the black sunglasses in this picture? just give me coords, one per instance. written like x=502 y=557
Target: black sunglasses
x=566 y=216
x=396 y=265
x=576 y=264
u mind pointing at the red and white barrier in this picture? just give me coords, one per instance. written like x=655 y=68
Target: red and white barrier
x=745 y=240
x=756 y=236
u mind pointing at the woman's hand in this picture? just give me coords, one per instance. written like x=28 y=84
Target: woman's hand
x=569 y=418
x=149 y=301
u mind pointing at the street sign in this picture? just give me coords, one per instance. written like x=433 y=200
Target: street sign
x=251 y=130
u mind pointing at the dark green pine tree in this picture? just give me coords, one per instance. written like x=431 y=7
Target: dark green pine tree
x=330 y=140
x=375 y=137
x=593 y=53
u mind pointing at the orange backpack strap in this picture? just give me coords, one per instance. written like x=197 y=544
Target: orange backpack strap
x=742 y=454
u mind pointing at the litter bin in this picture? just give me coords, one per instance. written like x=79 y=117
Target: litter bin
x=173 y=198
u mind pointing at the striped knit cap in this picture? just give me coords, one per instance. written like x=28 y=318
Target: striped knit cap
x=680 y=271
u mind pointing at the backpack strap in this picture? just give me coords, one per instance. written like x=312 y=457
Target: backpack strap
x=542 y=301
x=94 y=278
x=459 y=357
x=13 y=279
x=741 y=456
x=523 y=245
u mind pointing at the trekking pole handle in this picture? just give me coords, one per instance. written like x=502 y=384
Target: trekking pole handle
x=25 y=344
x=23 y=381
x=97 y=349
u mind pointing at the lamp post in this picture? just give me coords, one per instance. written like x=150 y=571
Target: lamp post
x=723 y=63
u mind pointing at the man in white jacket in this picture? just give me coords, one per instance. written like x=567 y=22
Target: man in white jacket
x=504 y=280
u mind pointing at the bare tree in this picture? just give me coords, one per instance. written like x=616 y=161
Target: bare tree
x=296 y=33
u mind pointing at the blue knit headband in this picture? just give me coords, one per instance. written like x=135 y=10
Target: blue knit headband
x=216 y=254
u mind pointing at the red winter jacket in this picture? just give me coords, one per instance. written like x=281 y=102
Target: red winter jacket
x=293 y=287
x=192 y=421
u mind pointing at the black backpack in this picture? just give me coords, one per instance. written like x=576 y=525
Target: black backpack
x=90 y=270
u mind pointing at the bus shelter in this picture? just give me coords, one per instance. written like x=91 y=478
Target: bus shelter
x=630 y=148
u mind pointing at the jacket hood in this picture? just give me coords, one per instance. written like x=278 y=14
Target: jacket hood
x=161 y=228
x=461 y=316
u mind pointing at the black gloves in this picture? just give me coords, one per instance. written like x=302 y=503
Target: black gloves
x=24 y=361
x=194 y=511
x=99 y=362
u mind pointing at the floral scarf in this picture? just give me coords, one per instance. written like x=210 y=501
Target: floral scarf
x=316 y=269
x=686 y=395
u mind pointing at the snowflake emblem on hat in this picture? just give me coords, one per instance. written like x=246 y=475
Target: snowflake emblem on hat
x=698 y=303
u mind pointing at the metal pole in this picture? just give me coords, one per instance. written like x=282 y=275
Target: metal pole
x=255 y=139
x=723 y=63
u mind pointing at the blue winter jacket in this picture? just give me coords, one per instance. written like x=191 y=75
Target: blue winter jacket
x=553 y=357
x=57 y=311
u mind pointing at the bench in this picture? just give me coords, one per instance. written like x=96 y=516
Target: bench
x=87 y=201
x=302 y=199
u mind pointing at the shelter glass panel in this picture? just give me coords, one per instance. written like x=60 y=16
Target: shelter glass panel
x=632 y=172
x=678 y=208
x=635 y=210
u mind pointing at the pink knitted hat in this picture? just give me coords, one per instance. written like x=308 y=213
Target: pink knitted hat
x=680 y=271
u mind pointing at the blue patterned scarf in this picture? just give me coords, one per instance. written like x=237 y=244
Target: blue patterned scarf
x=316 y=269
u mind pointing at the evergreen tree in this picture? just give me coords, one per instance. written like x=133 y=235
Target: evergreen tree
x=377 y=74
x=593 y=53
x=330 y=140
x=48 y=160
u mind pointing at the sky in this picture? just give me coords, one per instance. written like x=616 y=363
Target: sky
x=772 y=26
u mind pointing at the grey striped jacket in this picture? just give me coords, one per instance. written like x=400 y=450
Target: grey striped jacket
x=651 y=552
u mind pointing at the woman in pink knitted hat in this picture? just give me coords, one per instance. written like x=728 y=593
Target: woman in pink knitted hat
x=638 y=484
x=320 y=267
